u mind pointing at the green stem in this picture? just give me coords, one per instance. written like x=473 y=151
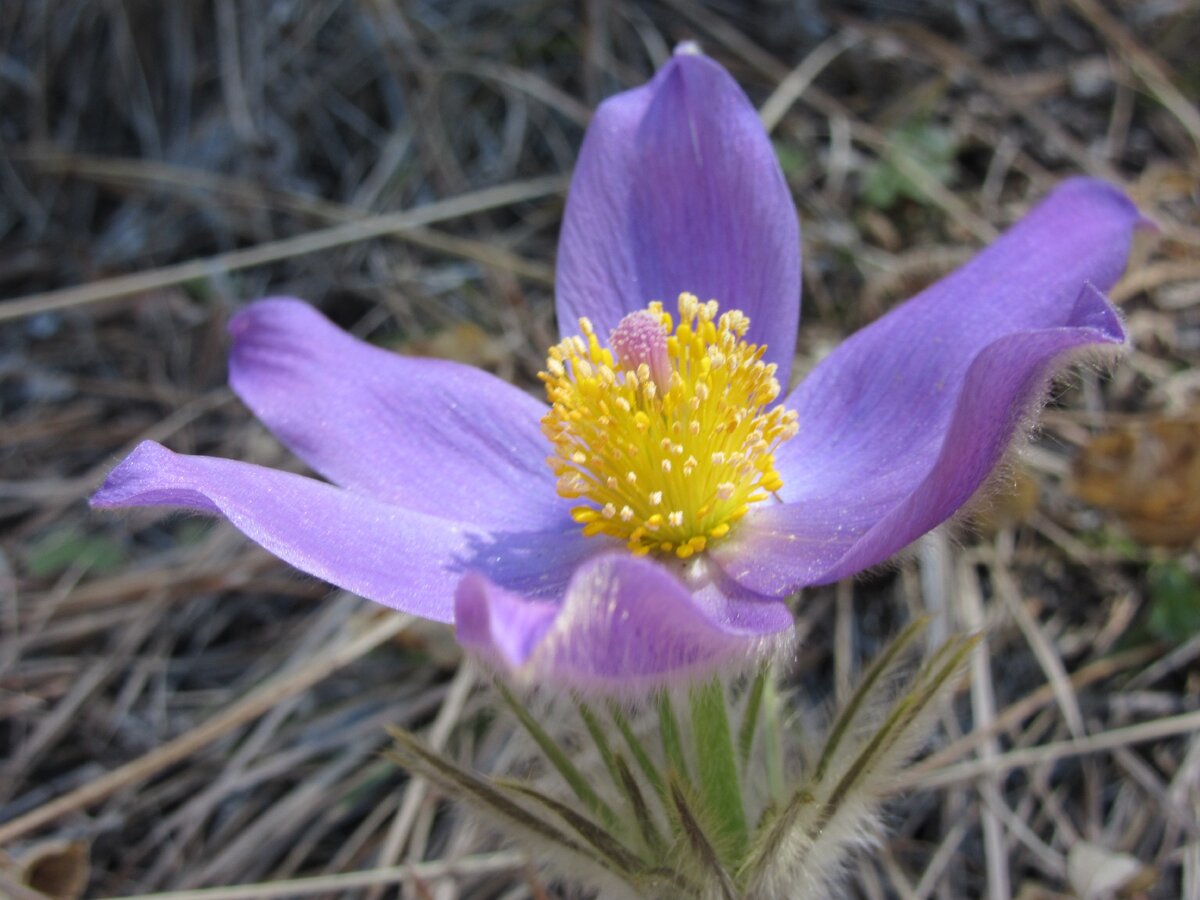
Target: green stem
x=773 y=742
x=750 y=716
x=719 y=785
x=596 y=731
x=668 y=729
x=558 y=758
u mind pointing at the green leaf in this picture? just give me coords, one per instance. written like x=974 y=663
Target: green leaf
x=624 y=780
x=719 y=784
x=1175 y=603
x=880 y=665
x=466 y=786
x=750 y=716
x=925 y=145
x=600 y=739
x=600 y=839
x=668 y=728
x=558 y=758
x=792 y=159
x=936 y=674
x=493 y=796
x=881 y=186
x=62 y=548
x=769 y=837
x=803 y=820
x=640 y=756
x=702 y=848
x=641 y=812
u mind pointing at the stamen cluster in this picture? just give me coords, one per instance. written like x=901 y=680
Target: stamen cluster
x=664 y=434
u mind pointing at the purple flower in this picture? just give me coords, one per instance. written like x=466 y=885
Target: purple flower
x=683 y=501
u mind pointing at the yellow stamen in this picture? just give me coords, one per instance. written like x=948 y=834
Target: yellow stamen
x=695 y=391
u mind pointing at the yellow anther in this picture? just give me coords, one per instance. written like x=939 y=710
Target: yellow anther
x=672 y=411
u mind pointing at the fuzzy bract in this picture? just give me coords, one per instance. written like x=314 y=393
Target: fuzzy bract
x=438 y=498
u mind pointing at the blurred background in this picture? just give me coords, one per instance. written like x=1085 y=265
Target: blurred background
x=178 y=710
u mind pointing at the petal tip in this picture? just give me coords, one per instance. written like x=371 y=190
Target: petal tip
x=500 y=627
x=245 y=319
x=120 y=485
x=1094 y=310
x=689 y=61
x=1085 y=189
x=625 y=627
x=1145 y=223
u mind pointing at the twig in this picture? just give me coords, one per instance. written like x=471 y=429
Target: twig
x=250 y=707
x=1170 y=726
x=798 y=80
x=1144 y=64
x=274 y=251
x=417 y=788
x=486 y=864
x=1031 y=703
x=225 y=189
x=983 y=710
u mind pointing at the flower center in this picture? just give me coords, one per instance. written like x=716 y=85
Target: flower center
x=664 y=433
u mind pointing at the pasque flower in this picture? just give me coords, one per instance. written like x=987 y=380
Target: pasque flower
x=649 y=523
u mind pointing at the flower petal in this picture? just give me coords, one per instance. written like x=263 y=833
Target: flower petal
x=903 y=422
x=433 y=436
x=678 y=189
x=398 y=557
x=626 y=624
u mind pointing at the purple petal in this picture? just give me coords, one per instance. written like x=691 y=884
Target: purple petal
x=678 y=189
x=502 y=626
x=904 y=421
x=433 y=436
x=395 y=556
x=626 y=624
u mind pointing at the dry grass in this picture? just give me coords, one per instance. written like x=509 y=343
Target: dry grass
x=180 y=711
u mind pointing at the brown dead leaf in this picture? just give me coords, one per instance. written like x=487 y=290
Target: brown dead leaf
x=1032 y=890
x=463 y=342
x=1148 y=474
x=1008 y=502
x=58 y=869
x=1095 y=871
